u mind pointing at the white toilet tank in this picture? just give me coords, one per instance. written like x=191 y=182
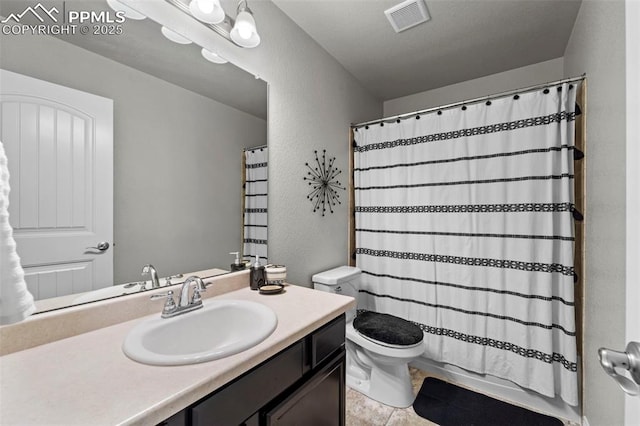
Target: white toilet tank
x=341 y=280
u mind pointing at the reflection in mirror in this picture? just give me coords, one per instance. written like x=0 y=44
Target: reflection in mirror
x=175 y=127
x=254 y=235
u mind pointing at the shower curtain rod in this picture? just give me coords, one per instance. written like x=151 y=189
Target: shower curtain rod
x=254 y=148
x=469 y=101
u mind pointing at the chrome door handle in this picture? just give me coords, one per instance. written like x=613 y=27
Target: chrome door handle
x=628 y=360
x=102 y=246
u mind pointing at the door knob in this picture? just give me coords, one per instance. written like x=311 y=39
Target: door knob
x=102 y=246
x=628 y=360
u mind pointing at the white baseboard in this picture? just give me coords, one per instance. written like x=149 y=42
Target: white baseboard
x=502 y=389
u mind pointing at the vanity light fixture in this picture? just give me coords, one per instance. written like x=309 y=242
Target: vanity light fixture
x=209 y=11
x=213 y=57
x=174 y=36
x=244 y=32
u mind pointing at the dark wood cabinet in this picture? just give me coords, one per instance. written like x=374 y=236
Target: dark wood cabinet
x=235 y=402
x=303 y=384
x=319 y=401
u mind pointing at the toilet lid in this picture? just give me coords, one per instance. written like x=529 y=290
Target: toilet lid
x=387 y=329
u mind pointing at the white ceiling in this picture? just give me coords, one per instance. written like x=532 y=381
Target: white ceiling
x=465 y=39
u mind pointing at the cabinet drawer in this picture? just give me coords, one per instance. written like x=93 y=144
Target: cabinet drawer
x=319 y=401
x=232 y=404
x=326 y=340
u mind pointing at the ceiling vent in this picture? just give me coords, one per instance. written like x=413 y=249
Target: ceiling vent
x=407 y=14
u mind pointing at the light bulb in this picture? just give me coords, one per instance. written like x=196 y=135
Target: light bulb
x=245 y=30
x=205 y=6
x=208 y=11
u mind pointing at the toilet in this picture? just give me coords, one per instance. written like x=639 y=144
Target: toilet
x=379 y=346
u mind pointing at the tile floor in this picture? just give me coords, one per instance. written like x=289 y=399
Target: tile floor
x=363 y=411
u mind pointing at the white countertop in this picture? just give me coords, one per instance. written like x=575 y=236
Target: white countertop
x=87 y=379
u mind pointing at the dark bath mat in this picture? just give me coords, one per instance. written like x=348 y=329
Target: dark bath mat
x=450 y=405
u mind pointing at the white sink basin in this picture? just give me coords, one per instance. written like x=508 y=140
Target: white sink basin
x=221 y=328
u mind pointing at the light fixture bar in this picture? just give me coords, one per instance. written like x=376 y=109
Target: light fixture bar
x=218 y=28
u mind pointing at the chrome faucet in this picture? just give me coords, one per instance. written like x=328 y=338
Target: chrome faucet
x=149 y=269
x=185 y=304
x=184 y=293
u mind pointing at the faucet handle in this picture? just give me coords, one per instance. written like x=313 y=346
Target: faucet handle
x=199 y=288
x=169 y=304
x=135 y=283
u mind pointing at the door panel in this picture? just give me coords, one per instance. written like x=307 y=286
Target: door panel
x=59 y=142
x=48 y=281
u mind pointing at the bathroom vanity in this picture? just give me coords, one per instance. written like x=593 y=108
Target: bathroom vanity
x=86 y=379
x=303 y=384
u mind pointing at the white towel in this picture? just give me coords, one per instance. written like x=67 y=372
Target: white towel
x=16 y=303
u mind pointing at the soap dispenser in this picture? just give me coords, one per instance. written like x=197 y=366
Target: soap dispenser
x=237 y=265
x=257 y=275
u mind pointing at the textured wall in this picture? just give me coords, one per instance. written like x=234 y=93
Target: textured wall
x=597 y=47
x=541 y=72
x=312 y=101
x=177 y=158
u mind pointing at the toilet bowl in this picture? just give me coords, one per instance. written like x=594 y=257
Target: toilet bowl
x=375 y=368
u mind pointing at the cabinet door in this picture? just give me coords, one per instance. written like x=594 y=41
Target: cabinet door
x=319 y=402
x=178 y=419
x=248 y=394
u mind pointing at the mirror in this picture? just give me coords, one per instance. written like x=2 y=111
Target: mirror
x=180 y=127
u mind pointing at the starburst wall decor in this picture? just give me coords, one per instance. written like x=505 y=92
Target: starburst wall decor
x=324 y=184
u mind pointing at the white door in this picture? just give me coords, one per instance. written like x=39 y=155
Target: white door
x=59 y=142
x=632 y=404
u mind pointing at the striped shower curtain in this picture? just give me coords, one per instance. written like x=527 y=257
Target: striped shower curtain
x=255 y=205
x=464 y=226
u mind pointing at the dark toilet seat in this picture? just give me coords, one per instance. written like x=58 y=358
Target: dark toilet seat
x=387 y=329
